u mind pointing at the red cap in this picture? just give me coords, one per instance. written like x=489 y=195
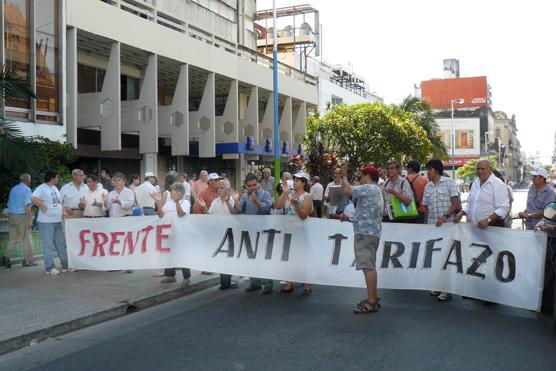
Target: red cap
x=369 y=169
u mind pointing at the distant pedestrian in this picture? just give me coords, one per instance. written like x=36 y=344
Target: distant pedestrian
x=256 y=201
x=316 y=193
x=267 y=181
x=47 y=198
x=183 y=180
x=134 y=182
x=297 y=202
x=367 y=229
x=225 y=204
x=106 y=179
x=201 y=184
x=95 y=200
x=336 y=182
x=143 y=194
x=396 y=186
x=417 y=183
x=540 y=194
x=441 y=202
x=71 y=193
x=20 y=221
x=173 y=202
x=121 y=199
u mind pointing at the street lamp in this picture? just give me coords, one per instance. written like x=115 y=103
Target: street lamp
x=453 y=134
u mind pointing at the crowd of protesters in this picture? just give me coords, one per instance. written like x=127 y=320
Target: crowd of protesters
x=367 y=200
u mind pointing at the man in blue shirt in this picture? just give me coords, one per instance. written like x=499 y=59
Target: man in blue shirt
x=20 y=220
x=256 y=201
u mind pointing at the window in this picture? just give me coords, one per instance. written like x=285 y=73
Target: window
x=46 y=36
x=89 y=79
x=464 y=139
x=129 y=88
x=17 y=45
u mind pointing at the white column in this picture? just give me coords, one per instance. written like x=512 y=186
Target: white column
x=104 y=109
x=227 y=124
x=142 y=115
x=174 y=119
x=202 y=122
x=249 y=125
x=286 y=124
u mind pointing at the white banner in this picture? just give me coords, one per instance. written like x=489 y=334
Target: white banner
x=497 y=264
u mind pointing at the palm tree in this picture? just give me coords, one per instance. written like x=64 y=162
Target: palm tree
x=16 y=152
x=427 y=122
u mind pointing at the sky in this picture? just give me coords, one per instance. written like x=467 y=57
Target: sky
x=394 y=44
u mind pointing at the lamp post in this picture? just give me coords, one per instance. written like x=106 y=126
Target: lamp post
x=453 y=134
x=275 y=96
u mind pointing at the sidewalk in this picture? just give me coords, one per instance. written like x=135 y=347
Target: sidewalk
x=35 y=306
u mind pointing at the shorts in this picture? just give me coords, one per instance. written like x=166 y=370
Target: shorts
x=365 y=247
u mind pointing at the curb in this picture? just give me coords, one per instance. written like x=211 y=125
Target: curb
x=118 y=310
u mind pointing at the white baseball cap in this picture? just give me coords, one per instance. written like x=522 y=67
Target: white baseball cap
x=301 y=174
x=212 y=176
x=149 y=174
x=540 y=171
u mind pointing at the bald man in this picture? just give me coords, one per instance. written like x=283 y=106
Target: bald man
x=488 y=202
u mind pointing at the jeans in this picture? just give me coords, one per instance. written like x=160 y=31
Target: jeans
x=171 y=272
x=53 y=240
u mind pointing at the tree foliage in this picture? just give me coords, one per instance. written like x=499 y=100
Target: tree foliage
x=427 y=122
x=366 y=133
x=469 y=169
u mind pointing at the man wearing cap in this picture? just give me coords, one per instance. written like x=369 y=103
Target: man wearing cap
x=540 y=193
x=367 y=228
x=143 y=194
x=205 y=198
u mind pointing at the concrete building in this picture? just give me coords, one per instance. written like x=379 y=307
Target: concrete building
x=507 y=145
x=476 y=125
x=152 y=85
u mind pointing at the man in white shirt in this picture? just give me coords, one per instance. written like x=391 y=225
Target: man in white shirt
x=71 y=193
x=121 y=199
x=337 y=182
x=488 y=202
x=95 y=200
x=316 y=193
x=183 y=179
x=143 y=194
x=47 y=198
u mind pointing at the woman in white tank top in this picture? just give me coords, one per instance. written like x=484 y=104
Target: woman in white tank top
x=297 y=202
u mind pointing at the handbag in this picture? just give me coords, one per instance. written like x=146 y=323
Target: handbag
x=398 y=211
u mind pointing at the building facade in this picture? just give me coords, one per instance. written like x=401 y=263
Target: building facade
x=507 y=145
x=152 y=85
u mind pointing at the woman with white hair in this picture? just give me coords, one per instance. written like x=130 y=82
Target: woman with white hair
x=225 y=204
x=173 y=201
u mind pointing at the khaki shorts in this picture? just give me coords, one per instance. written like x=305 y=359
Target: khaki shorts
x=365 y=247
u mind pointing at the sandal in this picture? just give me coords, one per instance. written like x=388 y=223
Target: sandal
x=285 y=289
x=362 y=302
x=307 y=292
x=366 y=307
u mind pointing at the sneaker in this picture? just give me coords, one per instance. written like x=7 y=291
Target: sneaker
x=64 y=270
x=53 y=272
x=26 y=263
x=435 y=293
x=444 y=296
x=168 y=280
x=267 y=290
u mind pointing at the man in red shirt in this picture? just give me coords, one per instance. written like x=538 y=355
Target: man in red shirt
x=417 y=183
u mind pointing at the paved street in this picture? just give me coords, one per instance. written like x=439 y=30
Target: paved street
x=235 y=330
